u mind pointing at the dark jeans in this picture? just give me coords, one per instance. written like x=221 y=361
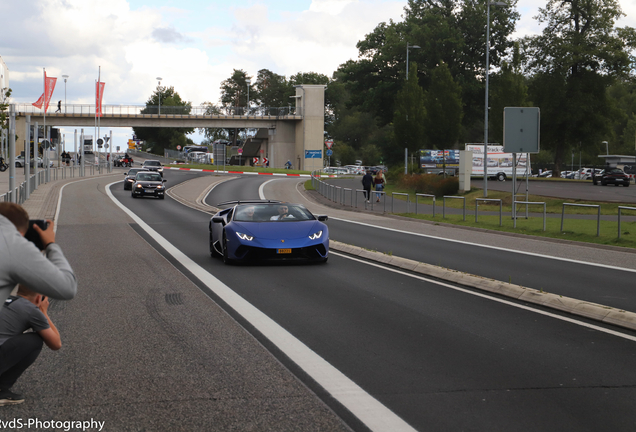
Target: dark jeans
x=367 y=193
x=16 y=355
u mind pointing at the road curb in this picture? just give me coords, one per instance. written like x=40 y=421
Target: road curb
x=597 y=312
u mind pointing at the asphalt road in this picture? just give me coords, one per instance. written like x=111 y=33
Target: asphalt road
x=438 y=357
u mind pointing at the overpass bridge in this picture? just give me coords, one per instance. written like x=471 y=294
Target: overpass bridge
x=293 y=133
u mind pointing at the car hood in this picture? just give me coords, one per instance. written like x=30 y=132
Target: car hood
x=279 y=230
x=149 y=183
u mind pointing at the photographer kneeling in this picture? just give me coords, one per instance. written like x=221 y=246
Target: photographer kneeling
x=18 y=350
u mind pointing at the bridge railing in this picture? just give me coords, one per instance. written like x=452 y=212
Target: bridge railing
x=140 y=110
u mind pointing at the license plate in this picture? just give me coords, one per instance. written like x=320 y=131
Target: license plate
x=284 y=251
x=150 y=191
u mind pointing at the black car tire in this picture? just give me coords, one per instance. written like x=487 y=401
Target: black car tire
x=161 y=197
x=18 y=165
x=133 y=195
x=501 y=177
x=626 y=184
x=603 y=183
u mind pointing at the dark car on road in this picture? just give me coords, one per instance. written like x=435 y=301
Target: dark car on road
x=148 y=184
x=614 y=176
x=153 y=165
x=130 y=177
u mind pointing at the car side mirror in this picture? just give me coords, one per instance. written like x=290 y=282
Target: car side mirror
x=323 y=218
x=218 y=219
x=164 y=180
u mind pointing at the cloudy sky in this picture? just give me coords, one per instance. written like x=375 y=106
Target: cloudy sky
x=192 y=44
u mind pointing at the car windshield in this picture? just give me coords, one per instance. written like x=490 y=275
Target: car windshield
x=134 y=171
x=152 y=163
x=272 y=212
x=148 y=177
x=614 y=171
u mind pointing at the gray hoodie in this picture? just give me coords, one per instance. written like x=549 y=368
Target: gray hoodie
x=47 y=273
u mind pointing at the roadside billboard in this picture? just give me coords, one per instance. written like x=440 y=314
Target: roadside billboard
x=498 y=161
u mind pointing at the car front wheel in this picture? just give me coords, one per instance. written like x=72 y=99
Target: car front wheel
x=501 y=177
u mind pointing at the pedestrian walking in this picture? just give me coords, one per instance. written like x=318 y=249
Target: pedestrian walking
x=379 y=183
x=59 y=107
x=367 y=182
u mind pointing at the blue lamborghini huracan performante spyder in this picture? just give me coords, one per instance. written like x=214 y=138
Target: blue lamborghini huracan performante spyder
x=268 y=230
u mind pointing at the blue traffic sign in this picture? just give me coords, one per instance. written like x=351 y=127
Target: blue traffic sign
x=313 y=154
x=329 y=152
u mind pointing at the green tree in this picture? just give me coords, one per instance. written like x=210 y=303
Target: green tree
x=234 y=90
x=577 y=57
x=272 y=90
x=444 y=110
x=508 y=88
x=410 y=117
x=159 y=139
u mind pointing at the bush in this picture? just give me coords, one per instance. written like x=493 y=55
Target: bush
x=431 y=184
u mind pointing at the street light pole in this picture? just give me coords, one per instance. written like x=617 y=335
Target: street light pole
x=65 y=78
x=407 y=57
x=606 y=147
x=249 y=82
x=486 y=103
x=159 y=91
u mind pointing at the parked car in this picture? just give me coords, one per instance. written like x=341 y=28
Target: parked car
x=545 y=174
x=268 y=230
x=19 y=162
x=130 y=177
x=153 y=165
x=148 y=183
x=335 y=170
x=586 y=173
x=614 y=176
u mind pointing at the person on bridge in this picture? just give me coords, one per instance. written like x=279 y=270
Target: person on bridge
x=21 y=262
x=18 y=350
x=59 y=107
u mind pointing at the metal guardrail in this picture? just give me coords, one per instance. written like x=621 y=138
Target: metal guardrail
x=477 y=200
x=514 y=206
x=619 y=217
x=598 y=218
x=427 y=196
x=20 y=194
x=408 y=200
x=452 y=197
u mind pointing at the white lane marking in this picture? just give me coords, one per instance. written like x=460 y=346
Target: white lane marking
x=570 y=260
x=366 y=408
x=489 y=297
x=261 y=189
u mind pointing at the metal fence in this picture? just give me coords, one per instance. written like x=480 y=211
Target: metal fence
x=178 y=111
x=23 y=191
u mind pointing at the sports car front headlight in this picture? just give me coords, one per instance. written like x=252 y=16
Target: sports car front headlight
x=139 y=186
x=315 y=236
x=244 y=236
x=160 y=186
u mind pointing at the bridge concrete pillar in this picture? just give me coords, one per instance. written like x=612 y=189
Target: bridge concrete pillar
x=20 y=131
x=279 y=143
x=310 y=132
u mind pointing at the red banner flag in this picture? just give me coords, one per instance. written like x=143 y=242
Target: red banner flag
x=99 y=94
x=49 y=86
